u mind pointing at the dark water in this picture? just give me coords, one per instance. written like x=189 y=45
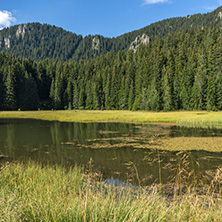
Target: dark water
x=118 y=150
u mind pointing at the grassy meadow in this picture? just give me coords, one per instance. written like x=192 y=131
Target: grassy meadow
x=30 y=192
x=178 y=117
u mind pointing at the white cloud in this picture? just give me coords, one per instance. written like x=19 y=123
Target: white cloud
x=149 y=2
x=6 y=19
x=211 y=8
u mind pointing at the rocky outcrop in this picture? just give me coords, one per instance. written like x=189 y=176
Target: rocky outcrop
x=22 y=29
x=219 y=16
x=7 y=41
x=95 y=43
x=144 y=39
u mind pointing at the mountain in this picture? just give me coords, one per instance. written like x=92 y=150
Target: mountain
x=41 y=41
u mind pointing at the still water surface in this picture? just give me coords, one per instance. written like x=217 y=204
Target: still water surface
x=119 y=150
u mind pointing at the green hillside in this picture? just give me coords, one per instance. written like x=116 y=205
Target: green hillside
x=41 y=41
x=181 y=71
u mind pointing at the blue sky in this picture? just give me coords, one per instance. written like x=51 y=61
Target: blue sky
x=109 y=18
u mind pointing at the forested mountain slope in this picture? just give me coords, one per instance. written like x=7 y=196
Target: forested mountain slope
x=182 y=70
x=45 y=41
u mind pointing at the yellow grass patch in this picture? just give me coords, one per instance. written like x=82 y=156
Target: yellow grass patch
x=213 y=144
x=180 y=117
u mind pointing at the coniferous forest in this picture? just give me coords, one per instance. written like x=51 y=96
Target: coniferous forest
x=181 y=71
x=42 y=41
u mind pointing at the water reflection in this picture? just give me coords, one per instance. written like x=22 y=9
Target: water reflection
x=122 y=151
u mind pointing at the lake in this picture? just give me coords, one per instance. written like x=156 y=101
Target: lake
x=128 y=152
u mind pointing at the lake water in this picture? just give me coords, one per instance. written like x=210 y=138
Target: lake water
x=123 y=151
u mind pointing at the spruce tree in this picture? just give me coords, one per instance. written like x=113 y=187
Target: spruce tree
x=89 y=96
x=10 y=85
x=131 y=96
x=211 y=94
x=2 y=92
x=167 y=97
x=75 y=96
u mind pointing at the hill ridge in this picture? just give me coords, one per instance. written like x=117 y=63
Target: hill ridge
x=41 y=41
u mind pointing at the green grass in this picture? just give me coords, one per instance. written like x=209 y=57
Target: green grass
x=30 y=192
x=180 y=117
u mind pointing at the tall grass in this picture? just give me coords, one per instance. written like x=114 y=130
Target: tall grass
x=180 y=117
x=30 y=192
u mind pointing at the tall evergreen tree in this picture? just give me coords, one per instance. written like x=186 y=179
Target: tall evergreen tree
x=167 y=97
x=10 y=85
x=2 y=91
x=211 y=94
x=58 y=91
x=75 y=96
x=131 y=96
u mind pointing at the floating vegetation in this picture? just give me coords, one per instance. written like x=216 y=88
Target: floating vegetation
x=202 y=126
x=108 y=132
x=159 y=138
x=68 y=143
x=213 y=144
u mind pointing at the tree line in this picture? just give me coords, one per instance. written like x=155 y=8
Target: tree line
x=41 y=41
x=182 y=71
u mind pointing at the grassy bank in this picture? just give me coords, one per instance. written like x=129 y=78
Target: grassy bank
x=180 y=117
x=34 y=193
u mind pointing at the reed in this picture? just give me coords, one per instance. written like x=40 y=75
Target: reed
x=31 y=192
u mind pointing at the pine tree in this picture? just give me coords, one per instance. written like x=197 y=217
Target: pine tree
x=218 y=72
x=2 y=92
x=219 y=92
x=29 y=94
x=185 y=92
x=107 y=93
x=95 y=96
x=82 y=96
x=153 y=97
x=131 y=96
x=167 y=97
x=10 y=97
x=122 y=96
x=144 y=100
x=43 y=82
x=114 y=87
x=59 y=90
x=52 y=90
x=89 y=96
x=75 y=96
x=211 y=94
x=58 y=94
x=69 y=93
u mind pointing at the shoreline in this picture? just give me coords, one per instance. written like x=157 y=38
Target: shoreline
x=140 y=117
